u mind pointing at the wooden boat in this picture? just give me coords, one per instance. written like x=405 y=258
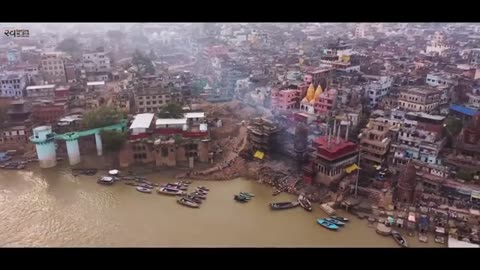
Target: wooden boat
x=399 y=239
x=199 y=195
x=248 y=194
x=132 y=178
x=284 y=205
x=106 y=180
x=339 y=218
x=144 y=190
x=193 y=199
x=173 y=187
x=334 y=221
x=188 y=203
x=239 y=198
x=146 y=186
x=324 y=223
x=170 y=191
x=305 y=203
x=203 y=188
x=199 y=191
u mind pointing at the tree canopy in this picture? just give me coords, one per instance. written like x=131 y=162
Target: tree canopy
x=102 y=116
x=143 y=63
x=69 y=45
x=113 y=140
x=171 y=110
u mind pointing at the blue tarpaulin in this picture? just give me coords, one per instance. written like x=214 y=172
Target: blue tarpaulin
x=464 y=110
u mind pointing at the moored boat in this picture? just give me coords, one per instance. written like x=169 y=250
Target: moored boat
x=247 y=194
x=170 y=191
x=106 y=180
x=146 y=186
x=322 y=222
x=188 y=203
x=203 y=188
x=283 y=205
x=199 y=195
x=399 y=239
x=305 y=203
x=144 y=190
x=239 y=198
x=179 y=187
x=342 y=219
x=334 y=221
x=193 y=199
x=200 y=191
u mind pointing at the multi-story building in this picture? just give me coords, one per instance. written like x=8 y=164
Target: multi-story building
x=13 y=85
x=474 y=57
x=421 y=137
x=437 y=45
x=326 y=101
x=48 y=112
x=153 y=100
x=52 y=67
x=441 y=78
x=262 y=135
x=15 y=132
x=420 y=99
x=330 y=159
x=46 y=92
x=377 y=89
x=375 y=142
x=96 y=62
x=70 y=72
x=283 y=100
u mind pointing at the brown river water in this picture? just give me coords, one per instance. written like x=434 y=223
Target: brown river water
x=52 y=208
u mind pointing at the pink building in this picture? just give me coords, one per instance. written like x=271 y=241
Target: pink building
x=326 y=101
x=283 y=100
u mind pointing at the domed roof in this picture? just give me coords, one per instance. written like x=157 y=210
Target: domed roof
x=310 y=92
x=318 y=92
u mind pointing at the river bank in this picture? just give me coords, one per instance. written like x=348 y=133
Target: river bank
x=51 y=207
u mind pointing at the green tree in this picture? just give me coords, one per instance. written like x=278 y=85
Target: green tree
x=102 y=116
x=113 y=140
x=453 y=127
x=171 y=110
x=69 y=45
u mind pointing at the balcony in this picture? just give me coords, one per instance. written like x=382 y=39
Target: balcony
x=371 y=157
x=373 y=150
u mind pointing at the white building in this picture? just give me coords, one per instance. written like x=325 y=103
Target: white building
x=96 y=62
x=440 y=78
x=141 y=123
x=13 y=85
x=437 y=45
x=360 y=31
x=96 y=86
x=378 y=89
x=41 y=91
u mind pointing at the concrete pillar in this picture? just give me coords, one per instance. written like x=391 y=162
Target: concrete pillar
x=98 y=142
x=190 y=162
x=73 y=151
x=47 y=156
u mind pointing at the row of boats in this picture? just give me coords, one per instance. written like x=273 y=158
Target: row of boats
x=302 y=202
x=333 y=222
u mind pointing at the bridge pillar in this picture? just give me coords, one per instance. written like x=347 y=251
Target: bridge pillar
x=73 y=151
x=44 y=141
x=98 y=142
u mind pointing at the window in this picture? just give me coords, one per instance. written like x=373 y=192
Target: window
x=140 y=103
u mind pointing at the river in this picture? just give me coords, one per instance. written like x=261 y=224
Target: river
x=52 y=208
